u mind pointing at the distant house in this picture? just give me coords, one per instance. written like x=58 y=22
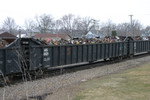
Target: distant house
x=44 y=36
x=94 y=34
x=7 y=36
x=145 y=36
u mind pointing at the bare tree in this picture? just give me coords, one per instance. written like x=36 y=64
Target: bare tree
x=87 y=24
x=30 y=26
x=57 y=26
x=123 y=29
x=10 y=25
x=136 y=28
x=67 y=23
x=107 y=28
x=45 y=23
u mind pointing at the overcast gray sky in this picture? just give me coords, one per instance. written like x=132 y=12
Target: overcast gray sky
x=116 y=10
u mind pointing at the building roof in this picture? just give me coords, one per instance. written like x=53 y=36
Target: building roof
x=1 y=31
x=7 y=35
x=46 y=35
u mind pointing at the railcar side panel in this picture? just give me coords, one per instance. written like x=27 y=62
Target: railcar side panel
x=142 y=46
x=12 y=61
x=131 y=48
x=113 y=50
x=62 y=55
x=125 y=48
x=98 y=51
x=85 y=58
x=35 y=58
x=148 y=45
x=80 y=54
x=117 y=50
x=46 y=57
x=89 y=52
x=94 y=52
x=120 y=49
x=110 y=50
x=2 y=61
x=137 y=47
x=103 y=51
x=106 y=51
x=55 y=57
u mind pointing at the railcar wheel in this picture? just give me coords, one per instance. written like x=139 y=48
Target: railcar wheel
x=130 y=56
x=38 y=73
x=105 y=59
x=112 y=60
x=120 y=58
x=8 y=79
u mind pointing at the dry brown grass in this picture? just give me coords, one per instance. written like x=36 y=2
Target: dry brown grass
x=133 y=84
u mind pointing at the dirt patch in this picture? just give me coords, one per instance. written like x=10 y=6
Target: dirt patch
x=65 y=93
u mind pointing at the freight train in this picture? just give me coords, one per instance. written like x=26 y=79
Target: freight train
x=28 y=55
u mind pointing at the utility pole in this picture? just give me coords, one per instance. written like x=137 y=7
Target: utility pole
x=131 y=25
x=19 y=32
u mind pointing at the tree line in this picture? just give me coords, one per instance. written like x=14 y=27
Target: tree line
x=73 y=25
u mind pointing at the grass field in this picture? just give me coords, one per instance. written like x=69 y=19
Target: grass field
x=133 y=84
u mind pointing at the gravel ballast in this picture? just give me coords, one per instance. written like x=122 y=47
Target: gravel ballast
x=48 y=86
